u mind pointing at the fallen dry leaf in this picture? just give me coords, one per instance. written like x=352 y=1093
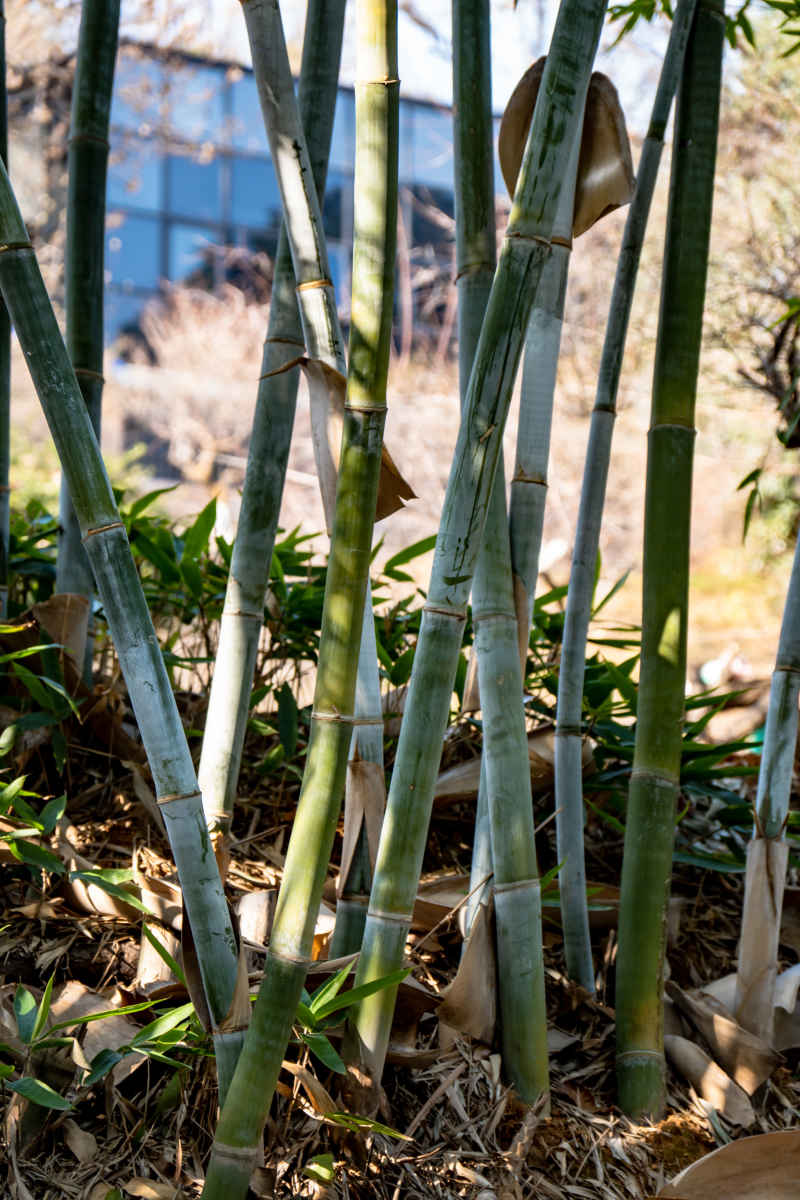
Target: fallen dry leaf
x=150 y=1189
x=82 y=1143
x=765 y=1167
x=709 y=1080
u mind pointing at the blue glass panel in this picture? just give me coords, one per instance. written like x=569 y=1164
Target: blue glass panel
x=340 y=260
x=343 y=142
x=247 y=131
x=337 y=209
x=499 y=182
x=136 y=99
x=193 y=188
x=191 y=254
x=261 y=243
x=132 y=251
x=255 y=198
x=428 y=204
x=195 y=102
x=406 y=150
x=134 y=175
x=433 y=147
x=121 y=311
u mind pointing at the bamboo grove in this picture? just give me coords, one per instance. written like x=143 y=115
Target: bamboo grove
x=563 y=130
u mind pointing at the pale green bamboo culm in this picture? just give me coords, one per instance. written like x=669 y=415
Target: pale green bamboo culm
x=242 y=616
x=568 y=741
x=768 y=851
x=131 y=629
x=377 y=123
x=86 y=231
x=5 y=357
x=525 y=250
x=505 y=768
x=323 y=338
x=655 y=779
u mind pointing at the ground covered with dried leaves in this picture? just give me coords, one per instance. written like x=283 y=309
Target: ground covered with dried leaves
x=145 y=1129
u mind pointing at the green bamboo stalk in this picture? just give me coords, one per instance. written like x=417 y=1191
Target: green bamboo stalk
x=377 y=127
x=505 y=766
x=568 y=746
x=655 y=779
x=5 y=357
x=525 y=251
x=242 y=616
x=476 y=259
x=86 y=227
x=316 y=297
x=768 y=850
x=131 y=628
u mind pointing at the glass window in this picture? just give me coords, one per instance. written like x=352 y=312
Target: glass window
x=431 y=208
x=195 y=102
x=193 y=188
x=433 y=146
x=406 y=151
x=247 y=128
x=343 y=142
x=255 y=198
x=136 y=99
x=132 y=251
x=261 y=243
x=340 y=259
x=122 y=311
x=134 y=175
x=337 y=209
x=191 y=255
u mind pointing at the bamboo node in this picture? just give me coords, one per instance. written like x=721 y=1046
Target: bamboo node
x=376 y=82
x=242 y=613
x=529 y=237
x=216 y=814
x=789 y=668
x=397 y=918
x=493 y=614
x=656 y=775
x=90 y=138
x=567 y=730
x=283 y=368
x=4 y=487
x=559 y=241
x=171 y=797
x=297 y=960
x=345 y=718
x=6 y=246
x=445 y=610
x=472 y=268
x=89 y=373
x=518 y=885
x=313 y=283
x=244 y=1154
x=102 y=529
x=640 y=1054
x=521 y=477
x=282 y=341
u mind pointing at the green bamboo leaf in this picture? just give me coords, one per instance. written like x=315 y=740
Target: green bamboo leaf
x=25 y=1013
x=357 y=994
x=356 y=1123
x=52 y=813
x=195 y=539
x=39 y=1093
x=322 y=1049
x=11 y=791
x=138 y=507
x=101 y=1064
x=44 y=1009
x=123 y=1010
x=162 y=1025
x=28 y=651
x=320 y=1168
x=329 y=989
x=34 y=855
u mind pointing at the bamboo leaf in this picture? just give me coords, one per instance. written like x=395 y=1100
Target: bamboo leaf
x=39 y=1093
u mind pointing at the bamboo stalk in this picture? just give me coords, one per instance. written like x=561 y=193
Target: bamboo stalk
x=525 y=250
x=649 y=832
x=568 y=745
x=377 y=124
x=316 y=301
x=476 y=259
x=131 y=628
x=242 y=616
x=5 y=357
x=768 y=850
x=86 y=227
x=505 y=766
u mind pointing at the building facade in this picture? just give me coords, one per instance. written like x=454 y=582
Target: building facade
x=190 y=174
